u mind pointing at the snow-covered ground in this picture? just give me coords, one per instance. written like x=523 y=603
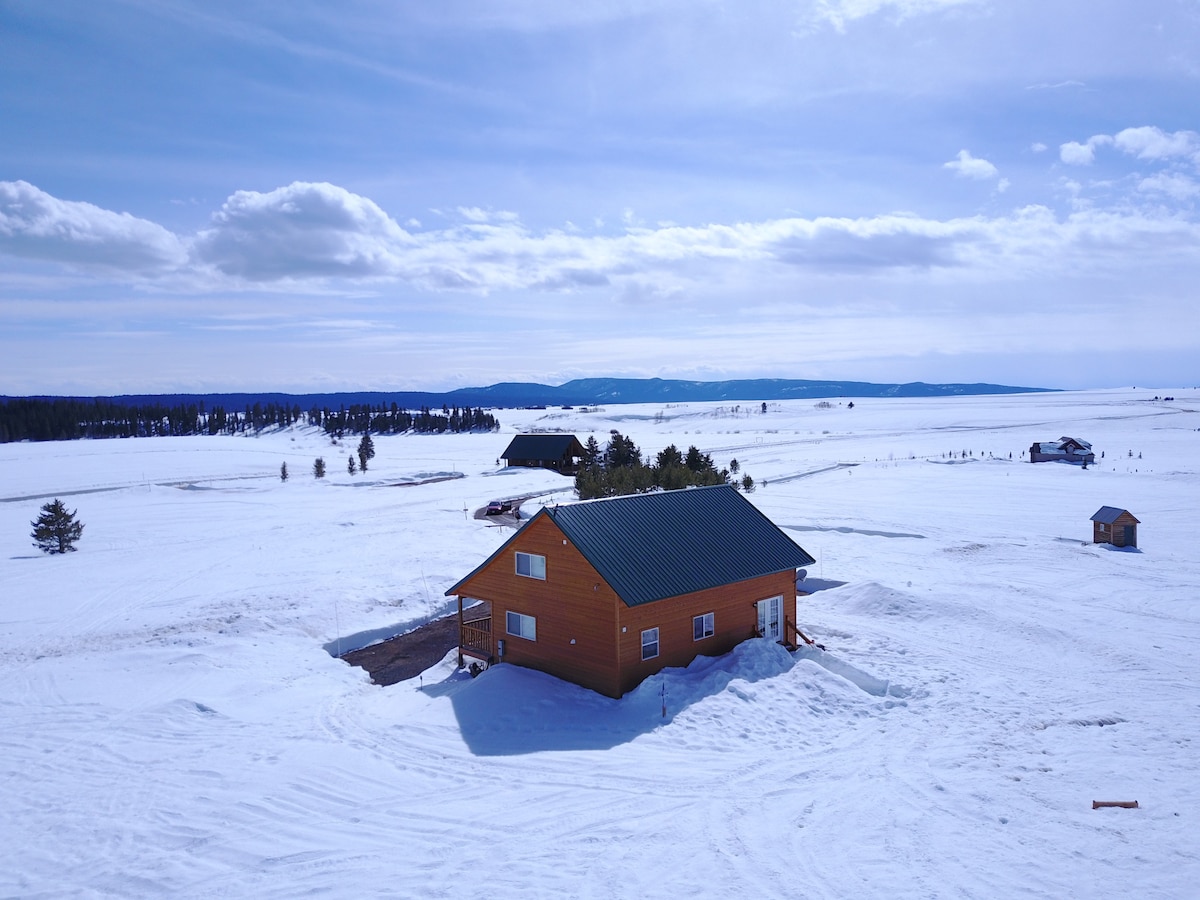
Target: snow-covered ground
x=172 y=721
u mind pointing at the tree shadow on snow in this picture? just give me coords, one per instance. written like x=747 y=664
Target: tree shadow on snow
x=508 y=710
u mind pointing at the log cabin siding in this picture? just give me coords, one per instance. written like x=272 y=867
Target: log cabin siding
x=1121 y=532
x=735 y=619
x=572 y=603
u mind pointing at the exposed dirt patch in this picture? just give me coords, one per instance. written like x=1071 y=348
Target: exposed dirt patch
x=408 y=655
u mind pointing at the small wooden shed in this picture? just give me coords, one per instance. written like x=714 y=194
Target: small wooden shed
x=1114 y=526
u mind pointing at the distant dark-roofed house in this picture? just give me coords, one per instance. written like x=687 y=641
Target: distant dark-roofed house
x=1114 y=526
x=560 y=452
x=604 y=593
x=1065 y=449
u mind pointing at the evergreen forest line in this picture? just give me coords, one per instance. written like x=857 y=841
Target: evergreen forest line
x=68 y=419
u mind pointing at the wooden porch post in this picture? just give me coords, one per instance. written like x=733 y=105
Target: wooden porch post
x=460 y=631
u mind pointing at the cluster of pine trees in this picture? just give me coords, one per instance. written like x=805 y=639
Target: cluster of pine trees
x=619 y=469
x=67 y=419
x=363 y=419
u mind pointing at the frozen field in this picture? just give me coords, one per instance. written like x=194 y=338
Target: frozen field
x=174 y=723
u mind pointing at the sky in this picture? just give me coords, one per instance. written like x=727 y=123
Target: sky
x=220 y=196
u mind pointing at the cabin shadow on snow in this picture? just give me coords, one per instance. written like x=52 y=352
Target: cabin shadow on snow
x=509 y=710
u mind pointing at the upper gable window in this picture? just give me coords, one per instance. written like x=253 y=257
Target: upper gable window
x=531 y=565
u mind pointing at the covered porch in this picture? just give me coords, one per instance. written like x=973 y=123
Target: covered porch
x=475 y=631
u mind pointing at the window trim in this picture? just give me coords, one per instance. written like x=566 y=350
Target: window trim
x=522 y=621
x=655 y=643
x=532 y=573
x=707 y=626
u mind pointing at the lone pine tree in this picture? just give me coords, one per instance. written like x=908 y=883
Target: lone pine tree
x=56 y=530
x=319 y=467
x=366 y=451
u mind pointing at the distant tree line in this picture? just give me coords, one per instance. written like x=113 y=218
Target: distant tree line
x=67 y=419
x=620 y=469
x=365 y=419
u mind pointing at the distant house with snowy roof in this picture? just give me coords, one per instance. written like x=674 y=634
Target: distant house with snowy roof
x=1065 y=449
x=604 y=593
x=1114 y=526
x=560 y=452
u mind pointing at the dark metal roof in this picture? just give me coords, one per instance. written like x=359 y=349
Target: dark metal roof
x=1109 y=514
x=652 y=546
x=543 y=446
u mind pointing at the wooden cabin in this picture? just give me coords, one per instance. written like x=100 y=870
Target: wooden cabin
x=1065 y=449
x=560 y=452
x=1114 y=526
x=604 y=593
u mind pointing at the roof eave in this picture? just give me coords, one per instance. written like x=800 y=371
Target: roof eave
x=495 y=554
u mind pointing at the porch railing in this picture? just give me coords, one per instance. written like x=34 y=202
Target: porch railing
x=475 y=638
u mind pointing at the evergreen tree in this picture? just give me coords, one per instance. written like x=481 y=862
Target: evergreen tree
x=350 y=466
x=591 y=453
x=669 y=457
x=319 y=467
x=748 y=484
x=366 y=451
x=56 y=530
x=734 y=466
x=621 y=451
x=283 y=472
x=697 y=461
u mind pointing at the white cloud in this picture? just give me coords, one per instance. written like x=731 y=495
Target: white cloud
x=1038 y=147
x=1178 y=187
x=322 y=234
x=1144 y=142
x=301 y=231
x=473 y=213
x=839 y=13
x=1149 y=142
x=35 y=225
x=968 y=166
x=1074 y=153
x=1054 y=86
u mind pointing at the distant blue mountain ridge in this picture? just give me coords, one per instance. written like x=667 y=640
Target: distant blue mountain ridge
x=580 y=392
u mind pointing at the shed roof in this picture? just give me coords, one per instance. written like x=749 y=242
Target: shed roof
x=1110 y=514
x=542 y=446
x=652 y=546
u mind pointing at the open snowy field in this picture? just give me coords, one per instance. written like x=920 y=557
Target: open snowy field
x=173 y=720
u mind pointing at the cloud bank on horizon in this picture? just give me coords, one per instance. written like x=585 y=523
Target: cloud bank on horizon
x=651 y=189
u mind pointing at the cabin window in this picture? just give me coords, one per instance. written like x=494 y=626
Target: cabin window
x=702 y=627
x=650 y=643
x=1103 y=528
x=531 y=565
x=520 y=625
